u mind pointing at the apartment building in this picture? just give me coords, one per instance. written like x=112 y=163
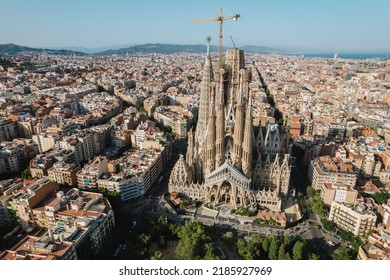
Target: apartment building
x=325 y=169
x=358 y=219
x=88 y=176
x=376 y=247
x=64 y=173
x=340 y=193
x=40 y=248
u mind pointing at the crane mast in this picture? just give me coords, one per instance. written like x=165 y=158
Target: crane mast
x=220 y=20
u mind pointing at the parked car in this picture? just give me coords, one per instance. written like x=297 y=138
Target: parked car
x=331 y=243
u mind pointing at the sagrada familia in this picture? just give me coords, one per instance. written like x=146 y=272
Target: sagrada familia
x=229 y=160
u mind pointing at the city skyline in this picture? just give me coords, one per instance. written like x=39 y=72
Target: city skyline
x=302 y=26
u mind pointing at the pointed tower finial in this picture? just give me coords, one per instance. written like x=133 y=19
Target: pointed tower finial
x=208 y=38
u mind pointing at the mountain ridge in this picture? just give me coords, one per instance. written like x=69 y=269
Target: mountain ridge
x=13 y=49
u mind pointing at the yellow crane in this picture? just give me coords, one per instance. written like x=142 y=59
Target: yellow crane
x=220 y=19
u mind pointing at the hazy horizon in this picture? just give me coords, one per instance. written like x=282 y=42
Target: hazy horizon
x=299 y=26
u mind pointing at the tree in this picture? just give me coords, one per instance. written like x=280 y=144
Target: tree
x=228 y=238
x=319 y=207
x=195 y=243
x=210 y=252
x=145 y=239
x=282 y=252
x=26 y=174
x=314 y=256
x=344 y=254
x=265 y=245
x=328 y=225
x=310 y=191
x=346 y=235
x=286 y=240
x=242 y=250
x=252 y=248
x=381 y=197
x=273 y=249
x=298 y=250
x=158 y=256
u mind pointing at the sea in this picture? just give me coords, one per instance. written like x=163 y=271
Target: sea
x=384 y=56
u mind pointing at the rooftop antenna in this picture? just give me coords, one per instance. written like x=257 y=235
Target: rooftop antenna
x=231 y=38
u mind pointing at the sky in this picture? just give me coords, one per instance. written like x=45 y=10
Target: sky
x=299 y=25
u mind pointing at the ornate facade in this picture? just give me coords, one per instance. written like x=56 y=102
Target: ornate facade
x=229 y=160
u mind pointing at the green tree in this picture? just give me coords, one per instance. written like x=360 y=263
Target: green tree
x=265 y=245
x=310 y=191
x=26 y=174
x=158 y=256
x=346 y=235
x=162 y=220
x=344 y=254
x=252 y=248
x=145 y=239
x=273 y=249
x=298 y=250
x=195 y=243
x=328 y=225
x=286 y=240
x=229 y=239
x=314 y=256
x=282 y=252
x=242 y=250
x=381 y=197
x=319 y=207
x=183 y=205
x=210 y=252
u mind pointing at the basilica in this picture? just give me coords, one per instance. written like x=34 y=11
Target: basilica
x=229 y=159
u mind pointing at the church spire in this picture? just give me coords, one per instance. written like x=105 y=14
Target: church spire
x=220 y=123
x=239 y=126
x=248 y=141
x=210 y=144
x=207 y=78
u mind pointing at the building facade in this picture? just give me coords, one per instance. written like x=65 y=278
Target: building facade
x=230 y=160
x=358 y=219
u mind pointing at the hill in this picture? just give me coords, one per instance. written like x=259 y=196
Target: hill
x=12 y=49
x=173 y=48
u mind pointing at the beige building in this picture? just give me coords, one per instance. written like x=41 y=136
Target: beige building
x=384 y=214
x=78 y=218
x=91 y=172
x=40 y=248
x=325 y=169
x=376 y=247
x=64 y=173
x=29 y=197
x=339 y=193
x=358 y=219
x=45 y=141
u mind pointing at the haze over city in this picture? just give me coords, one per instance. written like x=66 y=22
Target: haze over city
x=300 y=26
x=271 y=144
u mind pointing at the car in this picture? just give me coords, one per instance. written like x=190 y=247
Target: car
x=331 y=243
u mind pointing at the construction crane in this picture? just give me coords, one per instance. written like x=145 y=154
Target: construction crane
x=220 y=19
x=234 y=45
